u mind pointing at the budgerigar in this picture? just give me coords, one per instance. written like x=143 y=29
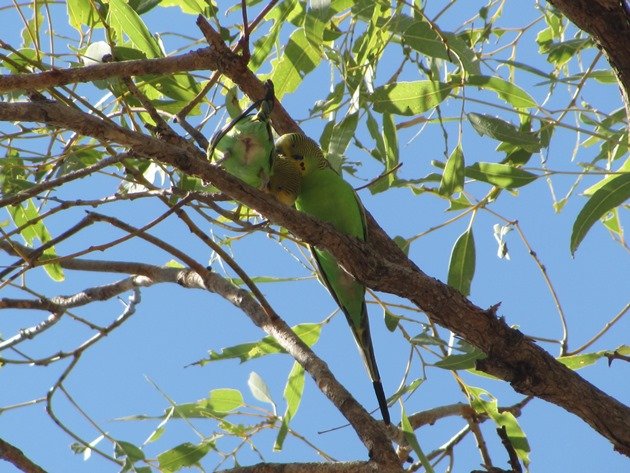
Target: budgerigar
x=324 y=194
x=245 y=147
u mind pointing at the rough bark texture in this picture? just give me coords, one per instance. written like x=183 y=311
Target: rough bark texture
x=608 y=21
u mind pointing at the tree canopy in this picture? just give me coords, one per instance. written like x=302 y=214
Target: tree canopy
x=488 y=142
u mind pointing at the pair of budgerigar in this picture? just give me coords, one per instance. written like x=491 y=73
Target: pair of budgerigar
x=296 y=172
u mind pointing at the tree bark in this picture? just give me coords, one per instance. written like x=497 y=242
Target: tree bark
x=608 y=22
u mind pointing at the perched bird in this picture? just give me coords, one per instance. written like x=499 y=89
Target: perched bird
x=245 y=147
x=324 y=194
x=285 y=181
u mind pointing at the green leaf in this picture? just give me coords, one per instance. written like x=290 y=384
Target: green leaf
x=425 y=38
x=224 y=400
x=129 y=450
x=507 y=91
x=317 y=16
x=409 y=98
x=190 y=7
x=259 y=389
x=463 y=361
x=36 y=230
x=503 y=131
x=369 y=47
x=218 y=403
x=561 y=53
x=515 y=434
x=453 y=175
x=377 y=136
x=614 y=193
x=299 y=58
x=500 y=175
x=293 y=396
x=403 y=244
x=308 y=333
x=461 y=267
x=412 y=441
x=391 y=321
x=576 y=362
x=625 y=167
x=80 y=12
x=391 y=155
x=126 y=22
x=184 y=455
x=342 y=133
x=282 y=13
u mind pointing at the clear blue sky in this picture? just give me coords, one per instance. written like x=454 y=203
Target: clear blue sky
x=174 y=327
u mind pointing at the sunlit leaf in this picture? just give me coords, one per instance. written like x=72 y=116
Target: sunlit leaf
x=453 y=175
x=462 y=361
x=507 y=91
x=409 y=98
x=33 y=231
x=293 y=396
x=299 y=58
x=259 y=389
x=184 y=455
x=129 y=450
x=503 y=131
x=500 y=175
x=128 y=23
x=308 y=333
x=412 y=441
x=461 y=267
x=614 y=193
x=489 y=406
x=391 y=155
x=575 y=362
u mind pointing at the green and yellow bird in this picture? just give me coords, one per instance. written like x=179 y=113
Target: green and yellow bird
x=245 y=147
x=322 y=193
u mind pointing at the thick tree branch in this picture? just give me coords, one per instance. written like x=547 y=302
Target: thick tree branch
x=381 y=266
x=369 y=430
x=608 y=22
x=15 y=456
x=349 y=467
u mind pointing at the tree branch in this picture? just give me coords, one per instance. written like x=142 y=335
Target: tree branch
x=608 y=22
x=16 y=457
x=380 y=265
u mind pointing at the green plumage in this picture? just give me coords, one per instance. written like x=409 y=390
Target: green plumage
x=326 y=196
x=245 y=148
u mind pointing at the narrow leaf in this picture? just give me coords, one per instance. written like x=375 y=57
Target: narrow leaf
x=342 y=133
x=409 y=98
x=500 y=175
x=503 y=131
x=507 y=91
x=299 y=58
x=184 y=455
x=453 y=175
x=412 y=441
x=505 y=419
x=463 y=361
x=391 y=156
x=126 y=21
x=308 y=333
x=21 y=215
x=575 y=362
x=293 y=396
x=461 y=267
x=614 y=193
